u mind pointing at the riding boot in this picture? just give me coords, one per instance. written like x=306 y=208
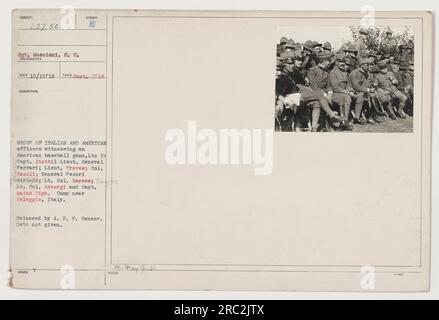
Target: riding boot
x=390 y=112
x=401 y=110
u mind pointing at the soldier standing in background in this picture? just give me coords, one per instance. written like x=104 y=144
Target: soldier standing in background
x=361 y=45
x=388 y=43
x=406 y=52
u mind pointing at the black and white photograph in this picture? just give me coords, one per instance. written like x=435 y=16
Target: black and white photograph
x=345 y=78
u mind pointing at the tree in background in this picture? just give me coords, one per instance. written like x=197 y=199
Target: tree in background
x=375 y=38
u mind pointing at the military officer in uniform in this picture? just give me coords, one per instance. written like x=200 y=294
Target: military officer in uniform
x=360 y=44
x=388 y=43
x=360 y=81
x=383 y=91
x=287 y=96
x=387 y=82
x=406 y=51
x=321 y=94
x=338 y=81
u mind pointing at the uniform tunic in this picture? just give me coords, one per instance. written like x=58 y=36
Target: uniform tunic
x=338 y=81
x=359 y=80
x=361 y=48
x=318 y=78
x=285 y=85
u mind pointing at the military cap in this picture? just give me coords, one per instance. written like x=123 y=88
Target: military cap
x=374 y=68
x=388 y=30
x=289 y=60
x=351 y=48
x=404 y=66
x=412 y=67
x=308 y=44
x=324 y=56
x=327 y=45
x=408 y=45
x=364 y=31
x=298 y=47
x=383 y=63
x=290 y=44
x=364 y=61
x=316 y=44
x=340 y=56
x=283 y=40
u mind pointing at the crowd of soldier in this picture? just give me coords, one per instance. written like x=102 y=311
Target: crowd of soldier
x=353 y=85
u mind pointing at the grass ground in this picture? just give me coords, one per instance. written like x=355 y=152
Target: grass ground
x=398 y=125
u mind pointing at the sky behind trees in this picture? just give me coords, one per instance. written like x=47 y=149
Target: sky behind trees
x=336 y=35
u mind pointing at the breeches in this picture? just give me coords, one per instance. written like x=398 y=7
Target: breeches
x=399 y=95
x=383 y=96
x=341 y=99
